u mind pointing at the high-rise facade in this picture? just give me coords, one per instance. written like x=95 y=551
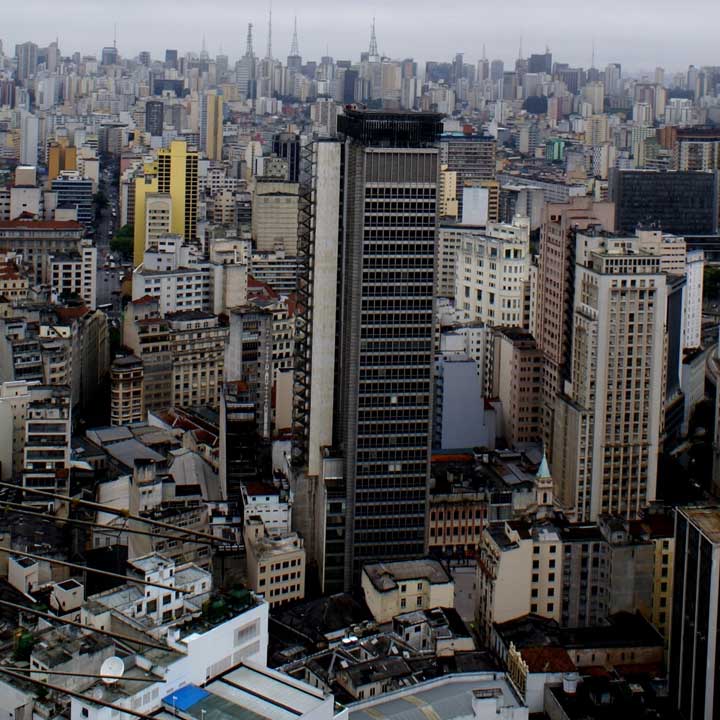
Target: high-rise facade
x=365 y=339
x=608 y=419
x=683 y=203
x=556 y=291
x=211 y=125
x=27 y=61
x=154 y=117
x=694 y=649
x=470 y=157
x=173 y=173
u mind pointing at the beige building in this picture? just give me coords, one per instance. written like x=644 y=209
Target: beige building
x=276 y=563
x=198 y=358
x=275 y=215
x=126 y=391
x=75 y=274
x=607 y=430
x=492 y=275
x=158 y=218
x=455 y=521
x=392 y=588
x=517 y=382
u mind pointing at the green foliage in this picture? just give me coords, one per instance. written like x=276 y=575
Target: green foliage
x=23 y=647
x=122 y=243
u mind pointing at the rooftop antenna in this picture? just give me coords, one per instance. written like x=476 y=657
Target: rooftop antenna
x=484 y=57
x=115 y=35
x=269 y=40
x=373 y=41
x=592 y=60
x=249 y=48
x=294 y=47
x=520 y=50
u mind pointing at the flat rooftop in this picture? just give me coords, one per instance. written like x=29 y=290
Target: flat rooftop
x=707 y=520
x=449 y=698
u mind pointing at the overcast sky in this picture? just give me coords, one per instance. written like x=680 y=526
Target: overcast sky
x=638 y=33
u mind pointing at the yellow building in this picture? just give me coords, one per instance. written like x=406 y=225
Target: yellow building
x=212 y=116
x=60 y=157
x=175 y=173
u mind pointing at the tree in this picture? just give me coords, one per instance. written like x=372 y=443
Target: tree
x=122 y=243
x=100 y=199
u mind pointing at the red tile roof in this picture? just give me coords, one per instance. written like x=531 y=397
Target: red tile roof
x=32 y=224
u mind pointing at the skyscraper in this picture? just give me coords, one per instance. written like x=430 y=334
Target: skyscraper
x=211 y=125
x=470 y=157
x=26 y=55
x=173 y=173
x=608 y=419
x=154 y=117
x=365 y=347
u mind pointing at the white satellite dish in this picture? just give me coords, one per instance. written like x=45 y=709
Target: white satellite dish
x=112 y=670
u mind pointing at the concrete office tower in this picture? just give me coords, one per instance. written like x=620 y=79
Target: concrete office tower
x=154 y=117
x=29 y=136
x=27 y=61
x=556 y=291
x=211 y=125
x=608 y=420
x=365 y=339
x=275 y=215
x=173 y=173
x=693 y=669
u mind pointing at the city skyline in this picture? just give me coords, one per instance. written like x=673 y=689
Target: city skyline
x=615 y=39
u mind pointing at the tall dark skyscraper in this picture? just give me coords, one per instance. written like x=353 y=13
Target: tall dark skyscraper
x=540 y=63
x=694 y=648
x=287 y=146
x=683 y=203
x=365 y=348
x=171 y=58
x=154 y=117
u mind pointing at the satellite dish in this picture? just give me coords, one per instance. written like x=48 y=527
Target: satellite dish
x=112 y=670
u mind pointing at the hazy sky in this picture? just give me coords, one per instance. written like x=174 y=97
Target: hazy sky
x=639 y=33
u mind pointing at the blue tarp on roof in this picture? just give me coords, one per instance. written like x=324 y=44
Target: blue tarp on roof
x=184 y=698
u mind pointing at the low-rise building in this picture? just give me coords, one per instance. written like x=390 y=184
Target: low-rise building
x=392 y=588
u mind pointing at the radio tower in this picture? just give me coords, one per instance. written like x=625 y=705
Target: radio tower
x=373 y=43
x=294 y=47
x=269 y=42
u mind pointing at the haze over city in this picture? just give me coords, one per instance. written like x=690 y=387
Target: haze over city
x=640 y=34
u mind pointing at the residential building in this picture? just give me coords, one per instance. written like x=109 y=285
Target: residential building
x=607 y=425
x=492 y=272
x=276 y=563
x=174 y=172
x=37 y=240
x=471 y=157
x=75 y=275
x=211 y=125
x=46 y=458
x=517 y=383
x=275 y=215
x=197 y=344
x=126 y=391
x=75 y=191
x=392 y=588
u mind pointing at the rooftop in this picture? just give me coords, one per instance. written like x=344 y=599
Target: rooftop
x=385 y=576
x=449 y=698
x=707 y=520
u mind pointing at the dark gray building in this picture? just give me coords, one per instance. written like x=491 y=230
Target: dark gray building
x=364 y=351
x=74 y=191
x=682 y=203
x=471 y=157
x=154 y=117
x=694 y=648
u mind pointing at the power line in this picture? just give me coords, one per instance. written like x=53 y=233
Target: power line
x=112 y=511
x=109 y=633
x=72 y=693
x=96 y=571
x=18 y=507
x=87 y=675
